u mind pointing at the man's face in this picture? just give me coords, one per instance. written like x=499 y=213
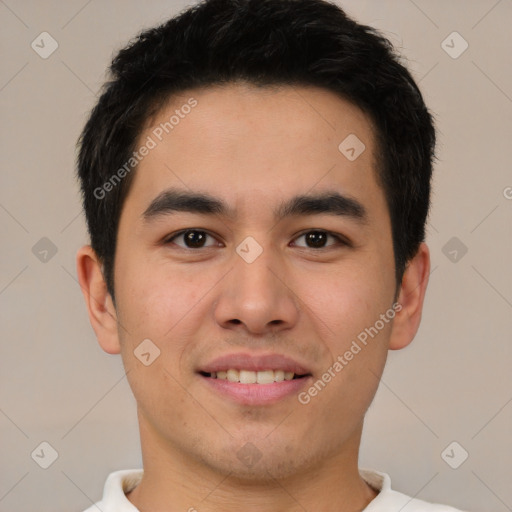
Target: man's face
x=254 y=283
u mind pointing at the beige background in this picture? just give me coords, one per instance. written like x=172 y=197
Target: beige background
x=452 y=384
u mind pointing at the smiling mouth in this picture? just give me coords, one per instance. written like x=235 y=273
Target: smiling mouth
x=253 y=377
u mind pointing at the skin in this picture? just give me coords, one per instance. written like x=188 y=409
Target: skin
x=253 y=148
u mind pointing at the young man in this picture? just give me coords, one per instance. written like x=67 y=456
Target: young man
x=256 y=180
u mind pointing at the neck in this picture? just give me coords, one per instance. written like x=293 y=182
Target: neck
x=176 y=480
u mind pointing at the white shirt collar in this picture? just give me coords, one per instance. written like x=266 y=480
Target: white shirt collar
x=119 y=483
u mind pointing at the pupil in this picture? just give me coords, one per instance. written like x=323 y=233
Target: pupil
x=316 y=238
x=194 y=238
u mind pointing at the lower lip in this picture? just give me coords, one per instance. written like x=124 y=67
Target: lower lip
x=256 y=394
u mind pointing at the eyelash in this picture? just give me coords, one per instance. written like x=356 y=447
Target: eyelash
x=341 y=241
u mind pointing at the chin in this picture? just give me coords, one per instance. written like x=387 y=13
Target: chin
x=260 y=462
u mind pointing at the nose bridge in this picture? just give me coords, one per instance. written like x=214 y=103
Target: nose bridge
x=254 y=293
x=256 y=268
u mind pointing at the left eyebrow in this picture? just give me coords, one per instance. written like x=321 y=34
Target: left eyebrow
x=330 y=203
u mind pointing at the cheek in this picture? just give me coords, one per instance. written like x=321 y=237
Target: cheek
x=167 y=306
x=347 y=300
x=347 y=315
x=154 y=297
x=155 y=305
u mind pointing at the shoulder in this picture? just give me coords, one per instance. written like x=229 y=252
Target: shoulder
x=116 y=486
x=389 y=500
x=408 y=504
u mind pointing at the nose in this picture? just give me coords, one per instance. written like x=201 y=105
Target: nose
x=256 y=296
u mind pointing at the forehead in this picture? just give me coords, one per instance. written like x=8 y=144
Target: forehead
x=250 y=144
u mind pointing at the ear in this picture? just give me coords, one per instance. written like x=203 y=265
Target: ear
x=411 y=296
x=102 y=313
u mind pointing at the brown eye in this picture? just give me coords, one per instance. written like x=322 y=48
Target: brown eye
x=192 y=238
x=317 y=239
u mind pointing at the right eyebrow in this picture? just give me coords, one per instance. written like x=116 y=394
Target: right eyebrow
x=175 y=200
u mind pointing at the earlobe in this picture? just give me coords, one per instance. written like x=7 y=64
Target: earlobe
x=101 y=310
x=411 y=297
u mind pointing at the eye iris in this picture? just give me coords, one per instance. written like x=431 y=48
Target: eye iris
x=197 y=238
x=194 y=238
x=316 y=238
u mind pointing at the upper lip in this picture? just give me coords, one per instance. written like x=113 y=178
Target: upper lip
x=254 y=362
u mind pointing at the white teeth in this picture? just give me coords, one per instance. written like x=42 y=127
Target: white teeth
x=247 y=377
x=233 y=376
x=265 y=377
x=250 y=377
x=278 y=375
